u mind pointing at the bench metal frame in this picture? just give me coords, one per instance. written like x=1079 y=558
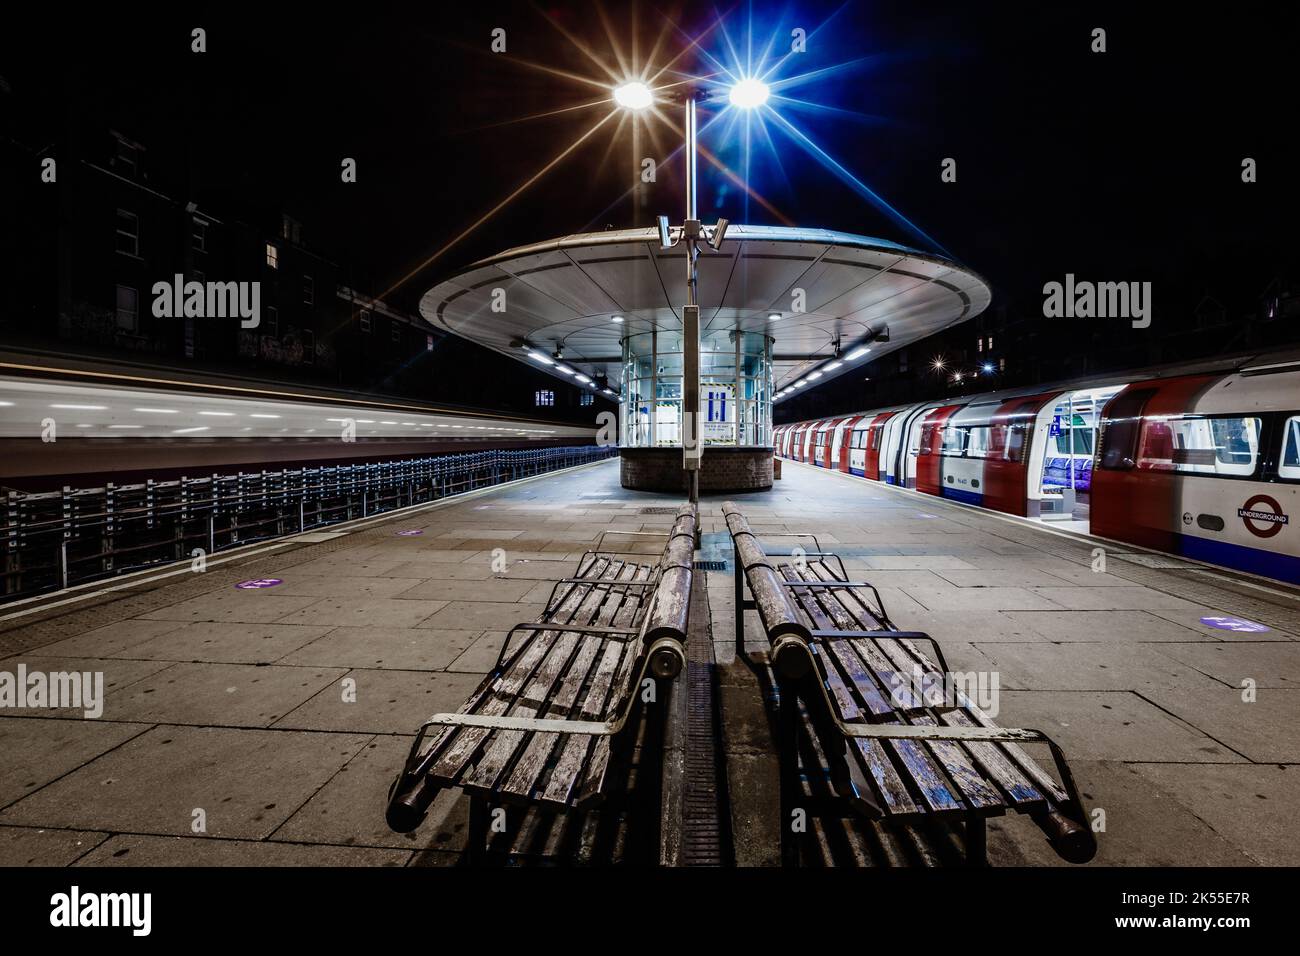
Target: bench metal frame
x=821 y=711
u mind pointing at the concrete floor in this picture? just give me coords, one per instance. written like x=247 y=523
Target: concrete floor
x=235 y=702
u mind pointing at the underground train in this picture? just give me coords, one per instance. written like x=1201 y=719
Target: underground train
x=1200 y=462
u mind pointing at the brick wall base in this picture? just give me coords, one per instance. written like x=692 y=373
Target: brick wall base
x=722 y=469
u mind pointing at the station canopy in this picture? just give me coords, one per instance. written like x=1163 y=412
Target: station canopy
x=571 y=292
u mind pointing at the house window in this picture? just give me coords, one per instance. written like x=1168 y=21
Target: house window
x=308 y=347
x=543 y=398
x=128 y=233
x=1002 y=365
x=308 y=290
x=586 y=398
x=990 y=343
x=365 y=320
x=272 y=256
x=199 y=236
x=128 y=308
x=125 y=161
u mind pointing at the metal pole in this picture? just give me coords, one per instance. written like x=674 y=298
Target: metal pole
x=690 y=319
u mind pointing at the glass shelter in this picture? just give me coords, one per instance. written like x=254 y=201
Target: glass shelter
x=735 y=389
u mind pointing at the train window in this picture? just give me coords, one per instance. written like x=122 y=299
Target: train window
x=977 y=444
x=1017 y=439
x=927 y=438
x=859 y=439
x=1200 y=446
x=875 y=437
x=1289 y=466
x=954 y=441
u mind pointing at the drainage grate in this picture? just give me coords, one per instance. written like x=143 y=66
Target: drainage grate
x=710 y=565
x=658 y=511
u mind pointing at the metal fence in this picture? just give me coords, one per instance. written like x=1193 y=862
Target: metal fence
x=54 y=539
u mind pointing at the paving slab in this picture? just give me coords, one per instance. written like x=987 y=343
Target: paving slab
x=487 y=615
x=381 y=701
x=136 y=850
x=226 y=695
x=396 y=648
x=371 y=612
x=233 y=606
x=1267 y=664
x=34 y=846
x=246 y=781
x=1098 y=626
x=1266 y=730
x=226 y=643
x=349 y=810
x=1110 y=725
x=1145 y=824
x=488 y=589
x=110 y=640
x=39 y=750
x=1107 y=666
x=481 y=656
x=1253 y=807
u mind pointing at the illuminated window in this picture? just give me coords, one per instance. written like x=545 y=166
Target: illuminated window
x=1289 y=467
x=543 y=398
x=272 y=256
x=586 y=398
x=365 y=320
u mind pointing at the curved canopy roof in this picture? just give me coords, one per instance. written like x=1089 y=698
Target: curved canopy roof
x=567 y=292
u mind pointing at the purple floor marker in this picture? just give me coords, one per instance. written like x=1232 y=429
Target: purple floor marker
x=409 y=533
x=257 y=583
x=1234 y=624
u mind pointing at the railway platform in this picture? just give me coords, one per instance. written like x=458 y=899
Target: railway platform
x=257 y=712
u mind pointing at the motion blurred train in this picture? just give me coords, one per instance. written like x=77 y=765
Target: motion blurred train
x=1198 y=461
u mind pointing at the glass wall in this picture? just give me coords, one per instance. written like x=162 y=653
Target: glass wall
x=735 y=389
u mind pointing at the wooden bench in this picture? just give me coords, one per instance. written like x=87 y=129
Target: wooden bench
x=904 y=744
x=551 y=724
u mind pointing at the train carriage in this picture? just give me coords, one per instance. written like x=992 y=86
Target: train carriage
x=1202 y=462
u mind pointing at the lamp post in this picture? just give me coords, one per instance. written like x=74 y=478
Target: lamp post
x=748 y=93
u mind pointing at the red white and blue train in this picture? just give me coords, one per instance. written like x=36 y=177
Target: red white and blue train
x=1198 y=461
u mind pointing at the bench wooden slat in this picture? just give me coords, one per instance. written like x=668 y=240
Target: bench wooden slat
x=531 y=765
x=503 y=692
x=500 y=750
x=562 y=786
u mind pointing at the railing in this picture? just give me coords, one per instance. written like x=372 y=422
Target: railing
x=54 y=539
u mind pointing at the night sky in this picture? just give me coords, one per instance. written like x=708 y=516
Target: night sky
x=1119 y=166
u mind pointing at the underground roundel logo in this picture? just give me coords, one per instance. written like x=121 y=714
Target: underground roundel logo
x=1262 y=516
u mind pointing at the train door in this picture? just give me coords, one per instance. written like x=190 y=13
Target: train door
x=839 y=459
x=929 y=432
x=872 y=447
x=1065 y=473
x=1007 y=460
x=1134 y=494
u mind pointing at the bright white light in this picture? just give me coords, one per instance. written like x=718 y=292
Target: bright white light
x=126 y=426
x=261 y=415
x=564 y=369
x=82 y=408
x=617 y=318
x=634 y=96
x=190 y=431
x=583 y=379
x=749 y=93
x=858 y=353
x=8 y=404
x=774 y=317
x=833 y=366
x=814 y=375
x=539 y=357
x=156 y=411
x=219 y=414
